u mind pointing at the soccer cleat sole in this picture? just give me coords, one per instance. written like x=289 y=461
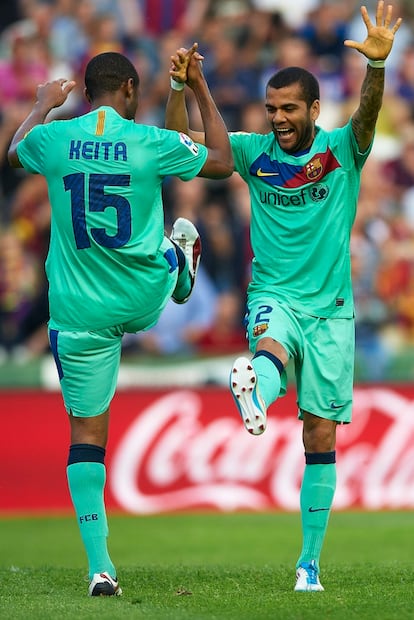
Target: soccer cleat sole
x=243 y=386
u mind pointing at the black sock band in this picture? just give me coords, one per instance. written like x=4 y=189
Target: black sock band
x=276 y=361
x=85 y=453
x=320 y=458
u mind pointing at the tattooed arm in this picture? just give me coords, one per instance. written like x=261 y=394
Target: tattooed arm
x=376 y=48
x=365 y=117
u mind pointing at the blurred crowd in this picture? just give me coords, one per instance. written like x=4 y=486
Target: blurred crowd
x=244 y=42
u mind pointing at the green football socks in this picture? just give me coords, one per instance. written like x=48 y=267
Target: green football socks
x=268 y=377
x=316 y=497
x=86 y=484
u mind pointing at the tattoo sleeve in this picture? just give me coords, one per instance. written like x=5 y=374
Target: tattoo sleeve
x=365 y=117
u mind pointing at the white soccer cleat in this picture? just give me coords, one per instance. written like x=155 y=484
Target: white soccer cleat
x=307 y=578
x=186 y=236
x=102 y=584
x=243 y=386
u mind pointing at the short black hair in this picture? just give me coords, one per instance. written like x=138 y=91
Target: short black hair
x=106 y=73
x=297 y=75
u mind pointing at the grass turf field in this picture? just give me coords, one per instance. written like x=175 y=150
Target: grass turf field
x=210 y=566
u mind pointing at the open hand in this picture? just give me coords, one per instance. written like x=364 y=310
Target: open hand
x=380 y=37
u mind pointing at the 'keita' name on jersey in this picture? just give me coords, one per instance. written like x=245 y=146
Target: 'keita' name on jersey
x=115 y=151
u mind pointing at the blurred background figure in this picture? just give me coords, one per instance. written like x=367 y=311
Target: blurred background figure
x=181 y=326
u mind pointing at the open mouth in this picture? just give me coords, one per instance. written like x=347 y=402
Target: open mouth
x=284 y=132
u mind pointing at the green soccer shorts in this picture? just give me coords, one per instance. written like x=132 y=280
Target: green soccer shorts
x=88 y=366
x=88 y=361
x=323 y=352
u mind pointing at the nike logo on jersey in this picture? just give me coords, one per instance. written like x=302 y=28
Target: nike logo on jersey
x=335 y=406
x=262 y=173
x=316 y=509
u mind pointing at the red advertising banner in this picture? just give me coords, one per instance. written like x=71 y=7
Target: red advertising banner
x=173 y=450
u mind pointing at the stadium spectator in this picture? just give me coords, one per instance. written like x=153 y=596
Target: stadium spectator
x=325 y=31
x=372 y=316
x=18 y=287
x=404 y=86
x=162 y=16
x=232 y=85
x=294 y=14
x=292 y=51
x=179 y=329
x=22 y=72
x=184 y=199
x=226 y=334
x=399 y=170
x=370 y=234
x=223 y=244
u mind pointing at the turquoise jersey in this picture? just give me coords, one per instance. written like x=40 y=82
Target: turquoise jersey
x=302 y=211
x=104 y=173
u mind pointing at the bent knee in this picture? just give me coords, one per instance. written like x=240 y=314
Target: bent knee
x=274 y=347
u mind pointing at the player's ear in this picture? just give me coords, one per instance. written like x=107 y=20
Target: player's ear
x=87 y=95
x=131 y=86
x=315 y=109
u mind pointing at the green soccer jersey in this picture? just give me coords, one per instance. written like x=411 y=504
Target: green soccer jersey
x=105 y=175
x=302 y=210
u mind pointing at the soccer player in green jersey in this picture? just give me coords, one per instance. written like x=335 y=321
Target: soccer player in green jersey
x=110 y=268
x=304 y=185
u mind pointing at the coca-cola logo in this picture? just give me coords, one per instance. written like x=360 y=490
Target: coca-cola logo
x=179 y=454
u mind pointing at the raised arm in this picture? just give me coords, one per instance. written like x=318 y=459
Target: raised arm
x=376 y=48
x=187 y=69
x=50 y=95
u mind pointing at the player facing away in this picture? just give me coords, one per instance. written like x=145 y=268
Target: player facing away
x=110 y=268
x=304 y=185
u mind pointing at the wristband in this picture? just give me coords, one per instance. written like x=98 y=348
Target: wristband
x=377 y=64
x=176 y=85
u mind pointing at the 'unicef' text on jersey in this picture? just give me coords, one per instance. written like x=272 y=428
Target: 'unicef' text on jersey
x=316 y=193
x=98 y=150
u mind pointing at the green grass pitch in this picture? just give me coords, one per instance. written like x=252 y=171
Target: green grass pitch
x=210 y=566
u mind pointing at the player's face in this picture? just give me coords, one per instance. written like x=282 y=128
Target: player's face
x=292 y=122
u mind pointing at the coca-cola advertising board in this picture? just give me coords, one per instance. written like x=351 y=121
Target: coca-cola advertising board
x=186 y=449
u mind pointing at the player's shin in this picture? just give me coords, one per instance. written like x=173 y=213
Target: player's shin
x=316 y=497
x=268 y=369
x=86 y=476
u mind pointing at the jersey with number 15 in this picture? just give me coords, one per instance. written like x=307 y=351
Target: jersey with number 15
x=104 y=176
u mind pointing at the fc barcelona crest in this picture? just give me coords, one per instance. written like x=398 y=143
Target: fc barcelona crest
x=258 y=330
x=314 y=169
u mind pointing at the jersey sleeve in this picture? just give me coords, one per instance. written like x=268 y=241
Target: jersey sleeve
x=31 y=149
x=345 y=136
x=180 y=156
x=238 y=142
